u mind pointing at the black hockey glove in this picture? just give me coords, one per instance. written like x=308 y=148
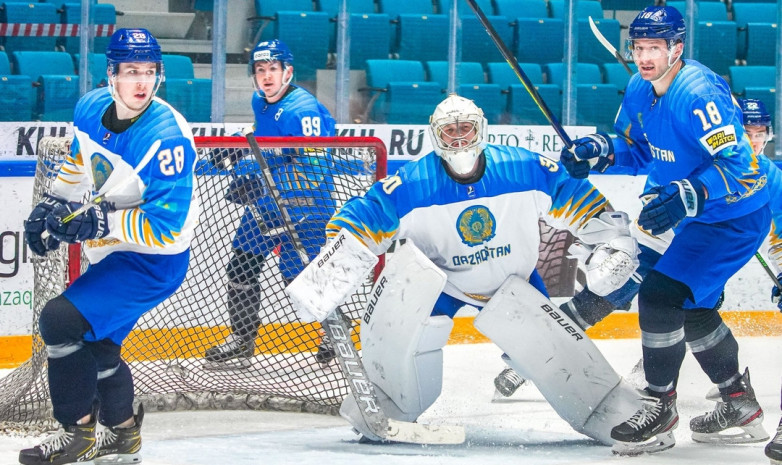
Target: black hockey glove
x=35 y=225
x=667 y=206
x=589 y=153
x=92 y=224
x=245 y=190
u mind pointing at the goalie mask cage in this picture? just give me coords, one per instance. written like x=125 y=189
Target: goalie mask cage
x=165 y=351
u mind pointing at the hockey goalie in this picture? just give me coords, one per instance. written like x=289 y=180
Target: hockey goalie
x=469 y=213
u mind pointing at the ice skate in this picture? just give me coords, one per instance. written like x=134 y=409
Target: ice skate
x=650 y=429
x=507 y=382
x=121 y=445
x=235 y=352
x=70 y=444
x=774 y=448
x=736 y=419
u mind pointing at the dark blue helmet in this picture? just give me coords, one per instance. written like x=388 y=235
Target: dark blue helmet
x=754 y=112
x=133 y=45
x=658 y=22
x=271 y=50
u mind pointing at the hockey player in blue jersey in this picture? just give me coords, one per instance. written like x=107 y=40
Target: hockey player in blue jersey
x=281 y=109
x=137 y=147
x=705 y=183
x=469 y=212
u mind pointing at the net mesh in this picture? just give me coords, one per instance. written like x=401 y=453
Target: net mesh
x=166 y=351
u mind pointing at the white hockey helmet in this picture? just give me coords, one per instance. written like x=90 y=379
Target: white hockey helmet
x=458 y=132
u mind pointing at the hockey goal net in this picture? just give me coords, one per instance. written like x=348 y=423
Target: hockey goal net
x=166 y=349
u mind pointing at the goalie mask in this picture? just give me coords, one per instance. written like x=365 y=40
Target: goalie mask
x=270 y=51
x=134 y=46
x=458 y=132
x=757 y=123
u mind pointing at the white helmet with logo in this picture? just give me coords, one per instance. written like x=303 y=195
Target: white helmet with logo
x=458 y=132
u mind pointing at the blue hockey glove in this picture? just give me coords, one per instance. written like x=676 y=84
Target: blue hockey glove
x=92 y=224
x=670 y=204
x=245 y=190
x=776 y=294
x=589 y=153
x=35 y=225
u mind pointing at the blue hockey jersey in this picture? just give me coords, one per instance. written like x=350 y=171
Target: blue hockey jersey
x=479 y=233
x=101 y=160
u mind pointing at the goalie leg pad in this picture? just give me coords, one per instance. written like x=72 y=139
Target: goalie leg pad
x=547 y=347
x=401 y=343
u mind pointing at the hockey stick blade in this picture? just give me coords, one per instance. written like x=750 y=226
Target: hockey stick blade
x=768 y=270
x=364 y=392
x=608 y=46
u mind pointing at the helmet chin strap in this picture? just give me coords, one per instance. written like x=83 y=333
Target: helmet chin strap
x=284 y=85
x=670 y=66
x=118 y=100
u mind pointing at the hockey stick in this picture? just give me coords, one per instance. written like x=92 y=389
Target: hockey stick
x=601 y=38
x=287 y=222
x=110 y=192
x=768 y=270
x=511 y=60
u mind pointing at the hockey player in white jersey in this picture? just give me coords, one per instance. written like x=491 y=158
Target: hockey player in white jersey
x=129 y=148
x=469 y=213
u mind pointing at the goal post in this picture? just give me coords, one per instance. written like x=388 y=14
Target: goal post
x=165 y=350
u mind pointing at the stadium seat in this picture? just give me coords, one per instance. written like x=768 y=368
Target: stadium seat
x=501 y=73
x=597 y=105
x=374 y=31
x=97 y=66
x=587 y=73
x=626 y=5
x=466 y=73
x=706 y=11
x=486 y=6
x=399 y=93
x=616 y=74
x=584 y=8
x=742 y=77
x=269 y=8
x=178 y=66
x=476 y=43
x=310 y=50
x=191 y=97
x=415 y=33
x=522 y=8
x=521 y=108
x=394 y=8
x=5 y=64
x=590 y=50
x=757 y=32
x=715 y=35
x=28 y=12
x=488 y=97
x=54 y=86
x=528 y=33
x=102 y=13
x=355 y=6
x=15 y=98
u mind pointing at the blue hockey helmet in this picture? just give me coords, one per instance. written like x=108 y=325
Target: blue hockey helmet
x=133 y=45
x=270 y=50
x=658 y=22
x=754 y=112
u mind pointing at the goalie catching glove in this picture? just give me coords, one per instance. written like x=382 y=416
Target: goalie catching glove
x=607 y=253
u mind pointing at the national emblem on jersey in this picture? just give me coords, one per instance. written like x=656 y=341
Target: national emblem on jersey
x=101 y=169
x=476 y=225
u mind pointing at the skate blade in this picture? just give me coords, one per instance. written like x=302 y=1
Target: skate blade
x=229 y=365
x=118 y=459
x=659 y=443
x=734 y=435
x=775 y=462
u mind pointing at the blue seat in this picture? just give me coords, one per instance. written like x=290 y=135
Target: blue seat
x=597 y=105
x=587 y=73
x=102 y=13
x=716 y=45
x=757 y=32
x=415 y=33
x=755 y=82
x=476 y=43
x=616 y=74
x=191 y=97
x=178 y=66
x=523 y=109
x=522 y=8
x=15 y=98
x=590 y=50
x=540 y=40
x=28 y=12
x=310 y=50
x=394 y=8
x=503 y=74
x=374 y=31
x=57 y=96
x=584 y=8
x=269 y=8
x=466 y=73
x=399 y=92
x=488 y=97
x=707 y=11
x=486 y=6
x=356 y=6
x=97 y=67
x=5 y=64
x=626 y=5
